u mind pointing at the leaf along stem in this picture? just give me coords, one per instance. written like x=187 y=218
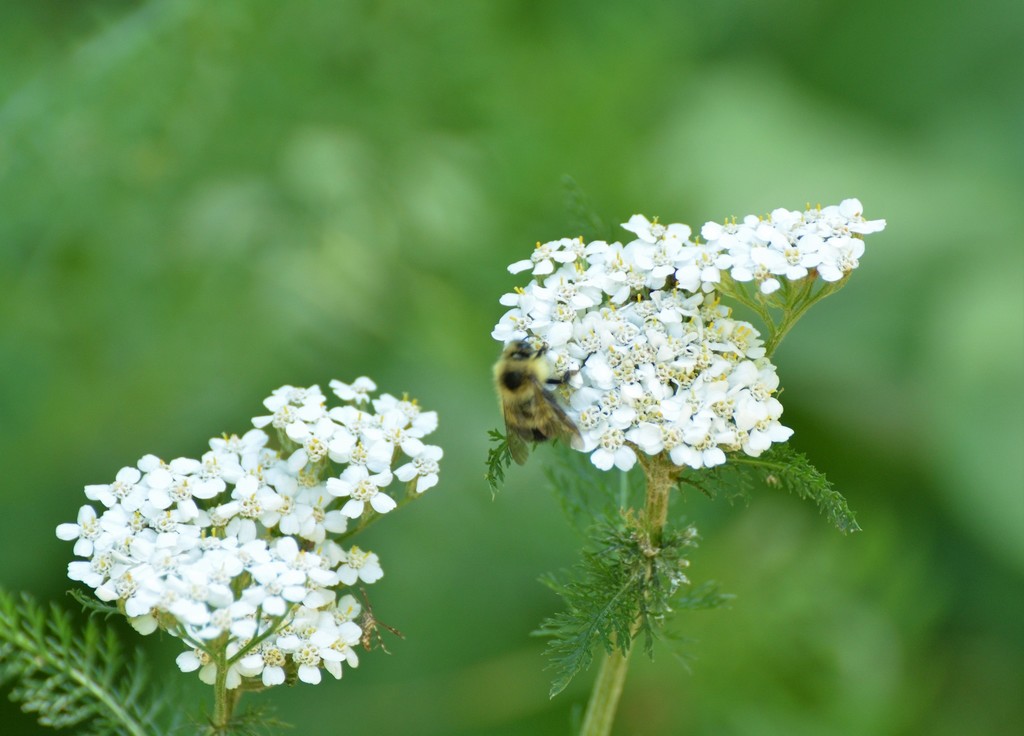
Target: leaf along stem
x=50 y=647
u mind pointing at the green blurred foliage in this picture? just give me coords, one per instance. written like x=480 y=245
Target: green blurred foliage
x=201 y=201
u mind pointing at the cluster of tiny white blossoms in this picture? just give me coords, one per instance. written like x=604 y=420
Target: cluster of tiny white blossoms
x=654 y=361
x=787 y=245
x=238 y=553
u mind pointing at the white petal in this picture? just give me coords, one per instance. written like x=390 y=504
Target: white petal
x=353 y=509
x=382 y=503
x=603 y=459
x=429 y=481
x=338 y=487
x=625 y=458
x=309 y=674
x=83 y=547
x=273 y=676
x=67 y=532
x=187 y=661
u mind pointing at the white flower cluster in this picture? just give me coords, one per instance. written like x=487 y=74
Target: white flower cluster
x=790 y=245
x=654 y=361
x=235 y=550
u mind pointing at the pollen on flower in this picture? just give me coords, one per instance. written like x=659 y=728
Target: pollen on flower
x=308 y=654
x=613 y=439
x=357 y=558
x=273 y=657
x=126 y=586
x=165 y=522
x=251 y=507
x=364 y=490
x=704 y=443
x=358 y=455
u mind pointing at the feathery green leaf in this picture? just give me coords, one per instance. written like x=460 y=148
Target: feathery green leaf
x=74 y=678
x=779 y=467
x=623 y=590
x=499 y=458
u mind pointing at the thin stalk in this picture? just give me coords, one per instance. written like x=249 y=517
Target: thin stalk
x=371 y=516
x=224 y=700
x=604 y=698
x=802 y=305
x=661 y=476
x=611 y=677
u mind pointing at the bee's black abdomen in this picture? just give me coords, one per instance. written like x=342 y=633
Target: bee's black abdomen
x=539 y=436
x=512 y=380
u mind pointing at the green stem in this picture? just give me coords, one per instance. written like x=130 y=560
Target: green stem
x=661 y=476
x=611 y=677
x=371 y=516
x=224 y=700
x=735 y=291
x=805 y=302
x=604 y=698
x=276 y=625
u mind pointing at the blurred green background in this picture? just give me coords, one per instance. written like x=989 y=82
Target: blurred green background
x=201 y=201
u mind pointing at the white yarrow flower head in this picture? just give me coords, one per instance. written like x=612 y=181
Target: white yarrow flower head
x=240 y=549
x=788 y=245
x=651 y=359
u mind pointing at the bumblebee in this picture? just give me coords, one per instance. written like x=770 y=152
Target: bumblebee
x=522 y=376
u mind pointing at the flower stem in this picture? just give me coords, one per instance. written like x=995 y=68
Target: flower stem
x=804 y=301
x=224 y=700
x=661 y=476
x=604 y=698
x=611 y=677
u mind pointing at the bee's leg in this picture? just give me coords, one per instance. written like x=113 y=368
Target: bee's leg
x=562 y=379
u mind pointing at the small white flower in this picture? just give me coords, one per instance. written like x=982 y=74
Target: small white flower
x=545 y=255
x=85 y=531
x=242 y=450
x=341 y=649
x=124 y=490
x=360 y=565
x=839 y=256
x=358 y=391
x=652 y=232
x=267 y=662
x=357 y=483
x=612 y=451
x=422 y=465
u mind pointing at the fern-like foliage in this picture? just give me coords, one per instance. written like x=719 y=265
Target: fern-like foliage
x=780 y=467
x=94 y=605
x=623 y=591
x=499 y=458
x=72 y=677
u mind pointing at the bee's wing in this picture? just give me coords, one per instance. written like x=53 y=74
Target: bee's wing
x=560 y=425
x=516 y=444
x=575 y=439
